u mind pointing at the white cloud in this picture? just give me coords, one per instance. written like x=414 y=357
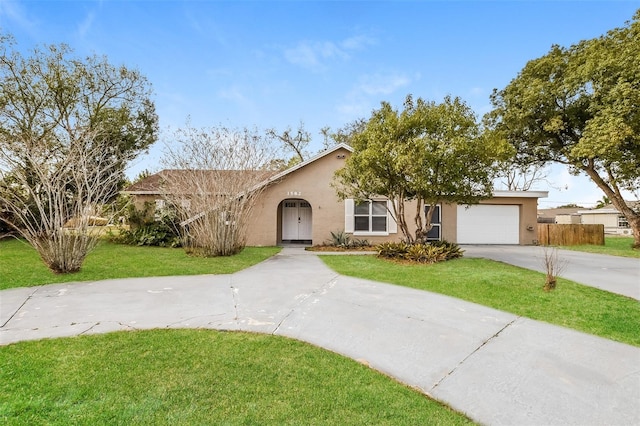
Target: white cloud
x=315 y=55
x=85 y=25
x=312 y=55
x=12 y=11
x=234 y=94
x=382 y=84
x=370 y=90
x=354 y=109
x=477 y=91
x=357 y=42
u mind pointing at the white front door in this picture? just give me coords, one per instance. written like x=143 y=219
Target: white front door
x=296 y=220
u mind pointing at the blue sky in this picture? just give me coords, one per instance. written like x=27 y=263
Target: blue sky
x=278 y=63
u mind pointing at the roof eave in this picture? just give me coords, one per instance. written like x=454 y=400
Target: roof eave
x=521 y=194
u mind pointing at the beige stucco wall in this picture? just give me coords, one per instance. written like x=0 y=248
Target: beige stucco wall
x=310 y=183
x=139 y=200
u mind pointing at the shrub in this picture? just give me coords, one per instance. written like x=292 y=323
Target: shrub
x=343 y=240
x=392 y=250
x=453 y=250
x=145 y=231
x=339 y=239
x=426 y=253
x=153 y=234
x=437 y=251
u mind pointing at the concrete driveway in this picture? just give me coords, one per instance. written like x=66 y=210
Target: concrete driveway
x=616 y=274
x=496 y=367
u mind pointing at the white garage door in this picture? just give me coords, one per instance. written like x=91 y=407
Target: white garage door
x=488 y=224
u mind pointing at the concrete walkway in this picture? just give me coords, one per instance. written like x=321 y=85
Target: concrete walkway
x=496 y=367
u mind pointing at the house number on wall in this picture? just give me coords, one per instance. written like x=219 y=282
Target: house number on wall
x=294 y=193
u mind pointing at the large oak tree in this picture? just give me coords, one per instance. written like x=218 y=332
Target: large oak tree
x=580 y=106
x=430 y=153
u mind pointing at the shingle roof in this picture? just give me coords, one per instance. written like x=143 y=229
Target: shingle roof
x=153 y=184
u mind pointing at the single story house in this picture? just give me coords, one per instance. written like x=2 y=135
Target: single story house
x=562 y=215
x=614 y=222
x=610 y=217
x=299 y=205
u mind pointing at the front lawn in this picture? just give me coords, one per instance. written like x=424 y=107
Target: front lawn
x=613 y=245
x=20 y=265
x=189 y=377
x=509 y=289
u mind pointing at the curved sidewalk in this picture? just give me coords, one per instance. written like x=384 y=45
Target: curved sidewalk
x=496 y=367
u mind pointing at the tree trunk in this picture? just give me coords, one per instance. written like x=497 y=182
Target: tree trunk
x=617 y=200
x=422 y=229
x=634 y=222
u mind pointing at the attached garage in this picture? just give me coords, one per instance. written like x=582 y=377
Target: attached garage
x=488 y=224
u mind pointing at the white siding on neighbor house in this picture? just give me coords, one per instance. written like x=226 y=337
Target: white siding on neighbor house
x=488 y=224
x=609 y=220
x=567 y=219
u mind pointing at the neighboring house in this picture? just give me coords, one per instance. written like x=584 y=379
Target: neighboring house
x=563 y=215
x=610 y=217
x=299 y=205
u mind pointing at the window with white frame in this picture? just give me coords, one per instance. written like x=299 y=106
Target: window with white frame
x=623 y=222
x=370 y=216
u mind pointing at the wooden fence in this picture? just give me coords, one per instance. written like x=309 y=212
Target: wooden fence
x=570 y=235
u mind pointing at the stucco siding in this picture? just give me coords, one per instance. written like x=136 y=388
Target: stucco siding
x=311 y=184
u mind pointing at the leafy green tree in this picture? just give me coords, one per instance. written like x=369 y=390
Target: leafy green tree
x=580 y=106
x=344 y=134
x=604 y=201
x=68 y=127
x=430 y=153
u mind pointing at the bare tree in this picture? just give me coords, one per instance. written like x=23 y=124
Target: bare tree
x=68 y=127
x=553 y=266
x=515 y=177
x=296 y=141
x=214 y=178
x=51 y=195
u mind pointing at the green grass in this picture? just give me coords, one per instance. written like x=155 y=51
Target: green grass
x=187 y=377
x=20 y=265
x=614 y=246
x=509 y=289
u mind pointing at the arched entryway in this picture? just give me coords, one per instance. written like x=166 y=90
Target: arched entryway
x=297 y=221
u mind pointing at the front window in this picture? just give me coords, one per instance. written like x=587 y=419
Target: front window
x=370 y=216
x=623 y=222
